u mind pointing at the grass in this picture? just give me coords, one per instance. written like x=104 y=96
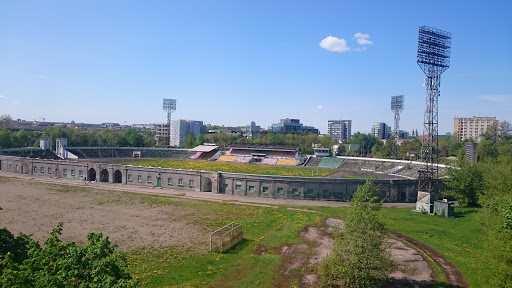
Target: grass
x=239 y=267
x=234 y=167
x=459 y=238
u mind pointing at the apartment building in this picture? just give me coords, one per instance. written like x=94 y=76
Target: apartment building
x=471 y=128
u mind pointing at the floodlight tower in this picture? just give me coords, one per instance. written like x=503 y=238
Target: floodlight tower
x=434 y=47
x=397 y=106
x=169 y=107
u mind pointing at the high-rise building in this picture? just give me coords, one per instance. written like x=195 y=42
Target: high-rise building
x=471 y=128
x=339 y=129
x=252 y=131
x=381 y=130
x=181 y=128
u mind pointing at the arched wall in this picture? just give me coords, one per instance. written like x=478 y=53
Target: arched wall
x=334 y=189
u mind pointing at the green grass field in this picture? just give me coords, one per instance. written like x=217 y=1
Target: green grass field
x=234 y=167
x=459 y=239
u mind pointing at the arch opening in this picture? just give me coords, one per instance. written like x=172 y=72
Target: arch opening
x=91 y=174
x=118 y=177
x=206 y=185
x=104 y=175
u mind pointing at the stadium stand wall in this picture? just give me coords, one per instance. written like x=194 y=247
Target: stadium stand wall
x=334 y=189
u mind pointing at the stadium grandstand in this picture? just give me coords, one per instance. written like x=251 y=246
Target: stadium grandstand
x=285 y=155
x=205 y=152
x=129 y=152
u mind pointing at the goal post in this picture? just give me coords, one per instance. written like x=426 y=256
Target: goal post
x=226 y=237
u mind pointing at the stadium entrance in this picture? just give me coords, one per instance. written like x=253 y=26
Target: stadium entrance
x=206 y=185
x=91 y=174
x=118 y=177
x=104 y=175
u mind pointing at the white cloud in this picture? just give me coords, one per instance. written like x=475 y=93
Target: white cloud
x=319 y=107
x=363 y=39
x=334 y=44
x=496 y=98
x=2 y=96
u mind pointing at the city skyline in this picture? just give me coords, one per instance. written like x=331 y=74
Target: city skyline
x=230 y=63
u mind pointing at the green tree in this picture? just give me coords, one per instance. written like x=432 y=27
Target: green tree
x=189 y=141
x=496 y=218
x=5 y=139
x=18 y=246
x=65 y=264
x=199 y=139
x=487 y=148
x=341 y=150
x=359 y=257
x=465 y=183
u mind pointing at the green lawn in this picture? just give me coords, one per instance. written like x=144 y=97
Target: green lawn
x=459 y=239
x=234 y=167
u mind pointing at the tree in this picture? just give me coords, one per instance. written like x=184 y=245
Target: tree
x=359 y=257
x=5 y=139
x=5 y=121
x=199 y=139
x=504 y=129
x=18 y=246
x=465 y=184
x=341 y=150
x=65 y=264
x=189 y=141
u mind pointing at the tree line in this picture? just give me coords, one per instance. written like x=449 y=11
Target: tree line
x=487 y=184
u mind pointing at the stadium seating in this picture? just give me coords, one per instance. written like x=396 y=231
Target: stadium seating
x=330 y=162
x=243 y=159
x=227 y=158
x=269 y=161
x=286 y=162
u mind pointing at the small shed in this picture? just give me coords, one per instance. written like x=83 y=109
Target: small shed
x=444 y=208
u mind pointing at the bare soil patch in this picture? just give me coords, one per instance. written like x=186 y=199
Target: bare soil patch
x=35 y=208
x=411 y=268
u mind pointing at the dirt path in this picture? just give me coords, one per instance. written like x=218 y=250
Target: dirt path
x=412 y=269
x=453 y=275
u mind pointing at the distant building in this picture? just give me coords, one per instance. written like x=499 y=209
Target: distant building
x=471 y=128
x=291 y=126
x=161 y=133
x=251 y=131
x=339 y=129
x=381 y=130
x=471 y=152
x=403 y=134
x=181 y=128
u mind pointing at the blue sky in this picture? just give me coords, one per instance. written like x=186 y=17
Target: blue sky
x=232 y=62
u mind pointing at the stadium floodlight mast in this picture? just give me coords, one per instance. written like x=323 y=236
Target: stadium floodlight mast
x=169 y=106
x=434 y=47
x=397 y=106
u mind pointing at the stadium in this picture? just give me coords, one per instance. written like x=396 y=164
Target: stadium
x=221 y=171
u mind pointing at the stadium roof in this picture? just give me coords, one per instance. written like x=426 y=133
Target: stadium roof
x=205 y=148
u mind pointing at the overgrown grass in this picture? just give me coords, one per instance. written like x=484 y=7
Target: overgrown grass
x=459 y=238
x=234 y=167
x=239 y=267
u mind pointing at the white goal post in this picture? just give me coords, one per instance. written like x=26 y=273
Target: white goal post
x=226 y=237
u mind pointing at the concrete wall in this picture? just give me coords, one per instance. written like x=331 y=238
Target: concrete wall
x=335 y=189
